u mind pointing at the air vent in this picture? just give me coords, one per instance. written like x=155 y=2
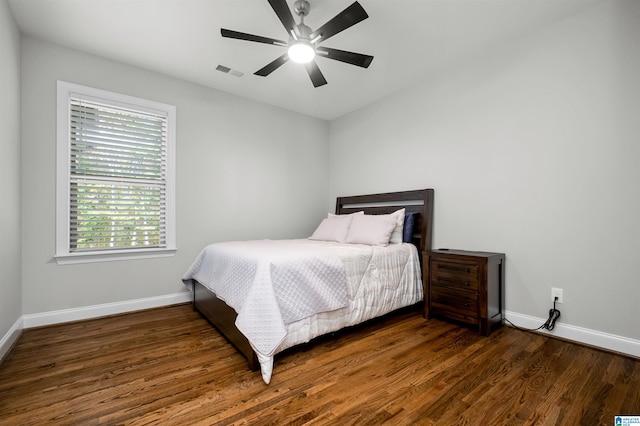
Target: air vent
x=228 y=70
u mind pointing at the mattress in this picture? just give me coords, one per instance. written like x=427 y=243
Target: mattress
x=363 y=282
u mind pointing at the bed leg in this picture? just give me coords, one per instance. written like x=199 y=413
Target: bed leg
x=193 y=292
x=252 y=362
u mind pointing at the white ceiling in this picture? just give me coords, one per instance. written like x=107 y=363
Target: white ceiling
x=410 y=40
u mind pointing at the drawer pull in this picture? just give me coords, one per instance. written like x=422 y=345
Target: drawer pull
x=453 y=302
x=467 y=283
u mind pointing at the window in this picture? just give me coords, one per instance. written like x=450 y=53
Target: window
x=116 y=176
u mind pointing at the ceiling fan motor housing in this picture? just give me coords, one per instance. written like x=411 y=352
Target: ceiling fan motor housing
x=304 y=32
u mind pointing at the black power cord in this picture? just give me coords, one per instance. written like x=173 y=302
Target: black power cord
x=554 y=314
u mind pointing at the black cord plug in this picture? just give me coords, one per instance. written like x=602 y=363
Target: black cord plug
x=554 y=314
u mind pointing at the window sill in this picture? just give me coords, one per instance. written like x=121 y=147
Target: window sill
x=93 y=257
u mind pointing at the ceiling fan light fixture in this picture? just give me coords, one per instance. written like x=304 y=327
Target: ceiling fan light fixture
x=301 y=52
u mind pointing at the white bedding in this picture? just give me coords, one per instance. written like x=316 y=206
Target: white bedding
x=359 y=282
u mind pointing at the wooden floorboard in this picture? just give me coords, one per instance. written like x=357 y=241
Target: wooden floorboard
x=169 y=366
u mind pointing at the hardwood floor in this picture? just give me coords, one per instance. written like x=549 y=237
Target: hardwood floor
x=169 y=366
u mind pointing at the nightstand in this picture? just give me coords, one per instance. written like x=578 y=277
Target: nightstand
x=465 y=286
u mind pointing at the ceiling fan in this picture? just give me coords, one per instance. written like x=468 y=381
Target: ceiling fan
x=303 y=45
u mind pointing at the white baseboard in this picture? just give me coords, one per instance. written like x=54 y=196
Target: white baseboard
x=86 y=312
x=579 y=334
x=10 y=338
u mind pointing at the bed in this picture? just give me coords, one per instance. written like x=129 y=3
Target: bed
x=309 y=287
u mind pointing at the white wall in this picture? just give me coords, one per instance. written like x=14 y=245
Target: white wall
x=533 y=151
x=244 y=170
x=10 y=244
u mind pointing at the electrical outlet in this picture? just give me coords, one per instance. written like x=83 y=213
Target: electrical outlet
x=556 y=292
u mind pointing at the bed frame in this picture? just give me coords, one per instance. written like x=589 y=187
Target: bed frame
x=223 y=317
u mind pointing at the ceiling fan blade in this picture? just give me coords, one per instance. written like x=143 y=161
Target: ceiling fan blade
x=250 y=37
x=281 y=8
x=316 y=75
x=352 y=58
x=343 y=20
x=272 y=66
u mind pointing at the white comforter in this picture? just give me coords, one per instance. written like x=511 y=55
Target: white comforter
x=271 y=284
x=287 y=292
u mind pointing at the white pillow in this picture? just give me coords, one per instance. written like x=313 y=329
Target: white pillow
x=373 y=230
x=333 y=229
x=396 y=235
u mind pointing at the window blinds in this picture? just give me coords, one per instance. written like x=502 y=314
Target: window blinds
x=118 y=177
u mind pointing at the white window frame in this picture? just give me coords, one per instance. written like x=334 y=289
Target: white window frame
x=64 y=255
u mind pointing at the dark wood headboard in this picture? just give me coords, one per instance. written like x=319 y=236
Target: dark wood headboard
x=419 y=201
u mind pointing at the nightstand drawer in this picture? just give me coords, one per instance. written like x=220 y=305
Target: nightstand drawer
x=458 y=275
x=455 y=304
